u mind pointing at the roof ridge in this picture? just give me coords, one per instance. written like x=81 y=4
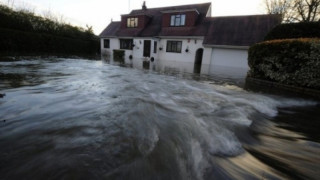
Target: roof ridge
x=232 y=16
x=208 y=3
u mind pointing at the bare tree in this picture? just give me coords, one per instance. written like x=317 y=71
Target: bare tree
x=26 y=7
x=307 y=10
x=281 y=7
x=10 y=3
x=58 y=18
x=294 y=10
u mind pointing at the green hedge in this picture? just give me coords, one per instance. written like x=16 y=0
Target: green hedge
x=295 y=30
x=292 y=61
x=14 y=42
x=118 y=55
x=29 y=22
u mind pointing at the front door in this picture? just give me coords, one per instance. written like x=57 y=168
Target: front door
x=146 y=48
x=198 y=61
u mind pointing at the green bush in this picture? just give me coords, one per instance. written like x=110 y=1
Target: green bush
x=14 y=42
x=24 y=33
x=292 y=61
x=295 y=30
x=118 y=55
x=29 y=22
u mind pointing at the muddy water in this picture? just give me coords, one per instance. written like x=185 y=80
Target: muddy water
x=80 y=119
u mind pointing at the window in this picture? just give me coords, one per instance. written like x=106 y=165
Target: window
x=178 y=20
x=174 y=46
x=126 y=44
x=155 y=44
x=132 y=22
x=106 y=43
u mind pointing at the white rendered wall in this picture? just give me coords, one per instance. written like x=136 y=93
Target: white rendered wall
x=138 y=48
x=137 y=52
x=114 y=44
x=185 y=57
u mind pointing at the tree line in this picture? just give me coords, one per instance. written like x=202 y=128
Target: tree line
x=27 y=21
x=294 y=10
x=49 y=32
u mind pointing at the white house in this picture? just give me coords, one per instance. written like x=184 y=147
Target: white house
x=187 y=35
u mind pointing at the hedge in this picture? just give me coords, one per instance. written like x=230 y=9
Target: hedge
x=292 y=61
x=13 y=42
x=118 y=55
x=29 y=22
x=295 y=30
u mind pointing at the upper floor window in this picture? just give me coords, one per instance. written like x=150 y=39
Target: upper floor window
x=106 y=43
x=178 y=20
x=174 y=46
x=126 y=44
x=132 y=22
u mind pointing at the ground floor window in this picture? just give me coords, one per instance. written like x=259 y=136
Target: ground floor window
x=106 y=43
x=126 y=44
x=174 y=46
x=155 y=44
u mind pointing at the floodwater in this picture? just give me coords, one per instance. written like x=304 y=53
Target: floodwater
x=81 y=119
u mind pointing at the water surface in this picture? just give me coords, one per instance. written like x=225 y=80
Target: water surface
x=80 y=119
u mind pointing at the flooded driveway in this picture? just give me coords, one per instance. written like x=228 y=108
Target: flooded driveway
x=81 y=119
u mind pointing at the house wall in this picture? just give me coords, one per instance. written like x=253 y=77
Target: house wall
x=221 y=61
x=137 y=51
x=114 y=44
x=185 y=57
x=139 y=45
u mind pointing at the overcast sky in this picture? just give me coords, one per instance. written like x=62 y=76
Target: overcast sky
x=98 y=13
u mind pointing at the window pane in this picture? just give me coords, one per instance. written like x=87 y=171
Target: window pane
x=131 y=23
x=179 y=44
x=177 y=23
x=126 y=43
x=174 y=46
x=135 y=22
x=128 y=22
x=168 y=46
x=172 y=20
x=106 y=43
x=183 y=20
x=155 y=44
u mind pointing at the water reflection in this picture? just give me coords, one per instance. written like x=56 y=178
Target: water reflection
x=91 y=120
x=217 y=74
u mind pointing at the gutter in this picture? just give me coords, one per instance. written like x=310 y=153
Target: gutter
x=227 y=46
x=180 y=37
x=180 y=11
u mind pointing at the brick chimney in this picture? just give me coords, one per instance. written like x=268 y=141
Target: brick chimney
x=144 y=7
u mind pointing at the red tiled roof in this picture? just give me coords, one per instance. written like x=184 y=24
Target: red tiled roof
x=233 y=30
x=111 y=29
x=154 y=28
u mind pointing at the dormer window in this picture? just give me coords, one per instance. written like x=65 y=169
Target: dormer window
x=178 y=20
x=132 y=22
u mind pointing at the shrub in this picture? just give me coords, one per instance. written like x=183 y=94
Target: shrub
x=29 y=22
x=292 y=61
x=118 y=55
x=295 y=30
x=14 y=42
